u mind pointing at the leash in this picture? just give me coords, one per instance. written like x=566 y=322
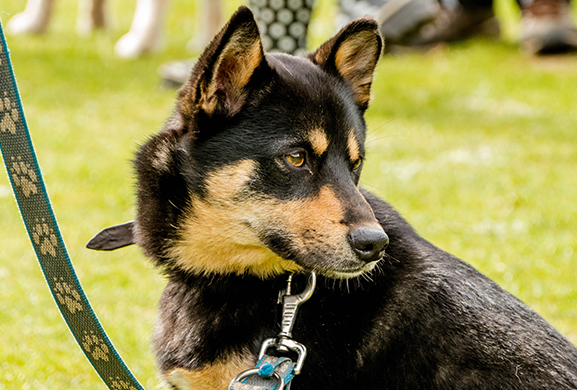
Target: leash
x=34 y=204
x=276 y=373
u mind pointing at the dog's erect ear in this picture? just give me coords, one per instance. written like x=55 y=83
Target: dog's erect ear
x=218 y=84
x=353 y=55
x=113 y=237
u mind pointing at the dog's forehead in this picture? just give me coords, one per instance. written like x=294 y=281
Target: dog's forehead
x=293 y=67
x=328 y=111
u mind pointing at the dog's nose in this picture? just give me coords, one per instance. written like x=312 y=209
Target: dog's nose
x=368 y=243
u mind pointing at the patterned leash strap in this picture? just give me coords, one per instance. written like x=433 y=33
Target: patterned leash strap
x=32 y=198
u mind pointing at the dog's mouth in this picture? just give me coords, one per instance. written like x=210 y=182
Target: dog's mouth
x=335 y=259
x=348 y=273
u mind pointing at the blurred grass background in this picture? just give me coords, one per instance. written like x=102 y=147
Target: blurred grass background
x=475 y=144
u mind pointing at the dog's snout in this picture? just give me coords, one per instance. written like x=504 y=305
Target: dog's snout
x=368 y=242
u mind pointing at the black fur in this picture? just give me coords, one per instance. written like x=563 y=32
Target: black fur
x=426 y=321
x=423 y=320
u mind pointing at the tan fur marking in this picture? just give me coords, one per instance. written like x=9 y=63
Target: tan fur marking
x=319 y=141
x=235 y=66
x=353 y=146
x=249 y=62
x=318 y=228
x=355 y=60
x=353 y=54
x=217 y=236
x=208 y=99
x=220 y=234
x=162 y=157
x=321 y=212
x=215 y=377
x=313 y=224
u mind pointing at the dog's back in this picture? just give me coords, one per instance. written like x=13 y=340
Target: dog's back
x=455 y=328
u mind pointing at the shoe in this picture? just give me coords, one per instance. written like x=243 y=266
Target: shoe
x=547 y=28
x=458 y=24
x=350 y=10
x=175 y=73
x=400 y=20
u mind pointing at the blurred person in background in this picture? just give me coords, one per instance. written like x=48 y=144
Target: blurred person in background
x=283 y=25
x=546 y=25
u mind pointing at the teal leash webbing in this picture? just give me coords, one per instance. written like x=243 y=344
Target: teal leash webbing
x=271 y=373
x=32 y=198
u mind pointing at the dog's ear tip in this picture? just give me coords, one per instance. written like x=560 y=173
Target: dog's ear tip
x=243 y=9
x=243 y=14
x=113 y=237
x=364 y=23
x=367 y=22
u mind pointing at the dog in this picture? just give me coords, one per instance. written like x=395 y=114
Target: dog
x=145 y=35
x=256 y=176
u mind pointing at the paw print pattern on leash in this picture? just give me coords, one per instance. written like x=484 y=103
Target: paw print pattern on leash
x=67 y=295
x=9 y=114
x=24 y=177
x=44 y=236
x=95 y=346
x=119 y=384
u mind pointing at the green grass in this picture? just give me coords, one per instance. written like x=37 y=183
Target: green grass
x=474 y=144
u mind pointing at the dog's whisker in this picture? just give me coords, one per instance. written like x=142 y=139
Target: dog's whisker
x=367 y=276
x=389 y=257
x=173 y=205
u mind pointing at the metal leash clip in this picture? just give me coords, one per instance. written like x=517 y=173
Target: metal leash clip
x=283 y=342
x=290 y=305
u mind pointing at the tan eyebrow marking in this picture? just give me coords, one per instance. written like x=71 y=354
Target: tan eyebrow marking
x=353 y=145
x=319 y=141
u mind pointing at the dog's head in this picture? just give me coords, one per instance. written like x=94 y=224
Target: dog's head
x=257 y=170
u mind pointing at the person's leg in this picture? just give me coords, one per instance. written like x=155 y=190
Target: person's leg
x=34 y=19
x=212 y=21
x=91 y=16
x=283 y=24
x=146 y=30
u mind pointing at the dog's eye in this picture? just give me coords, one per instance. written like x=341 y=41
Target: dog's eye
x=296 y=159
x=356 y=164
